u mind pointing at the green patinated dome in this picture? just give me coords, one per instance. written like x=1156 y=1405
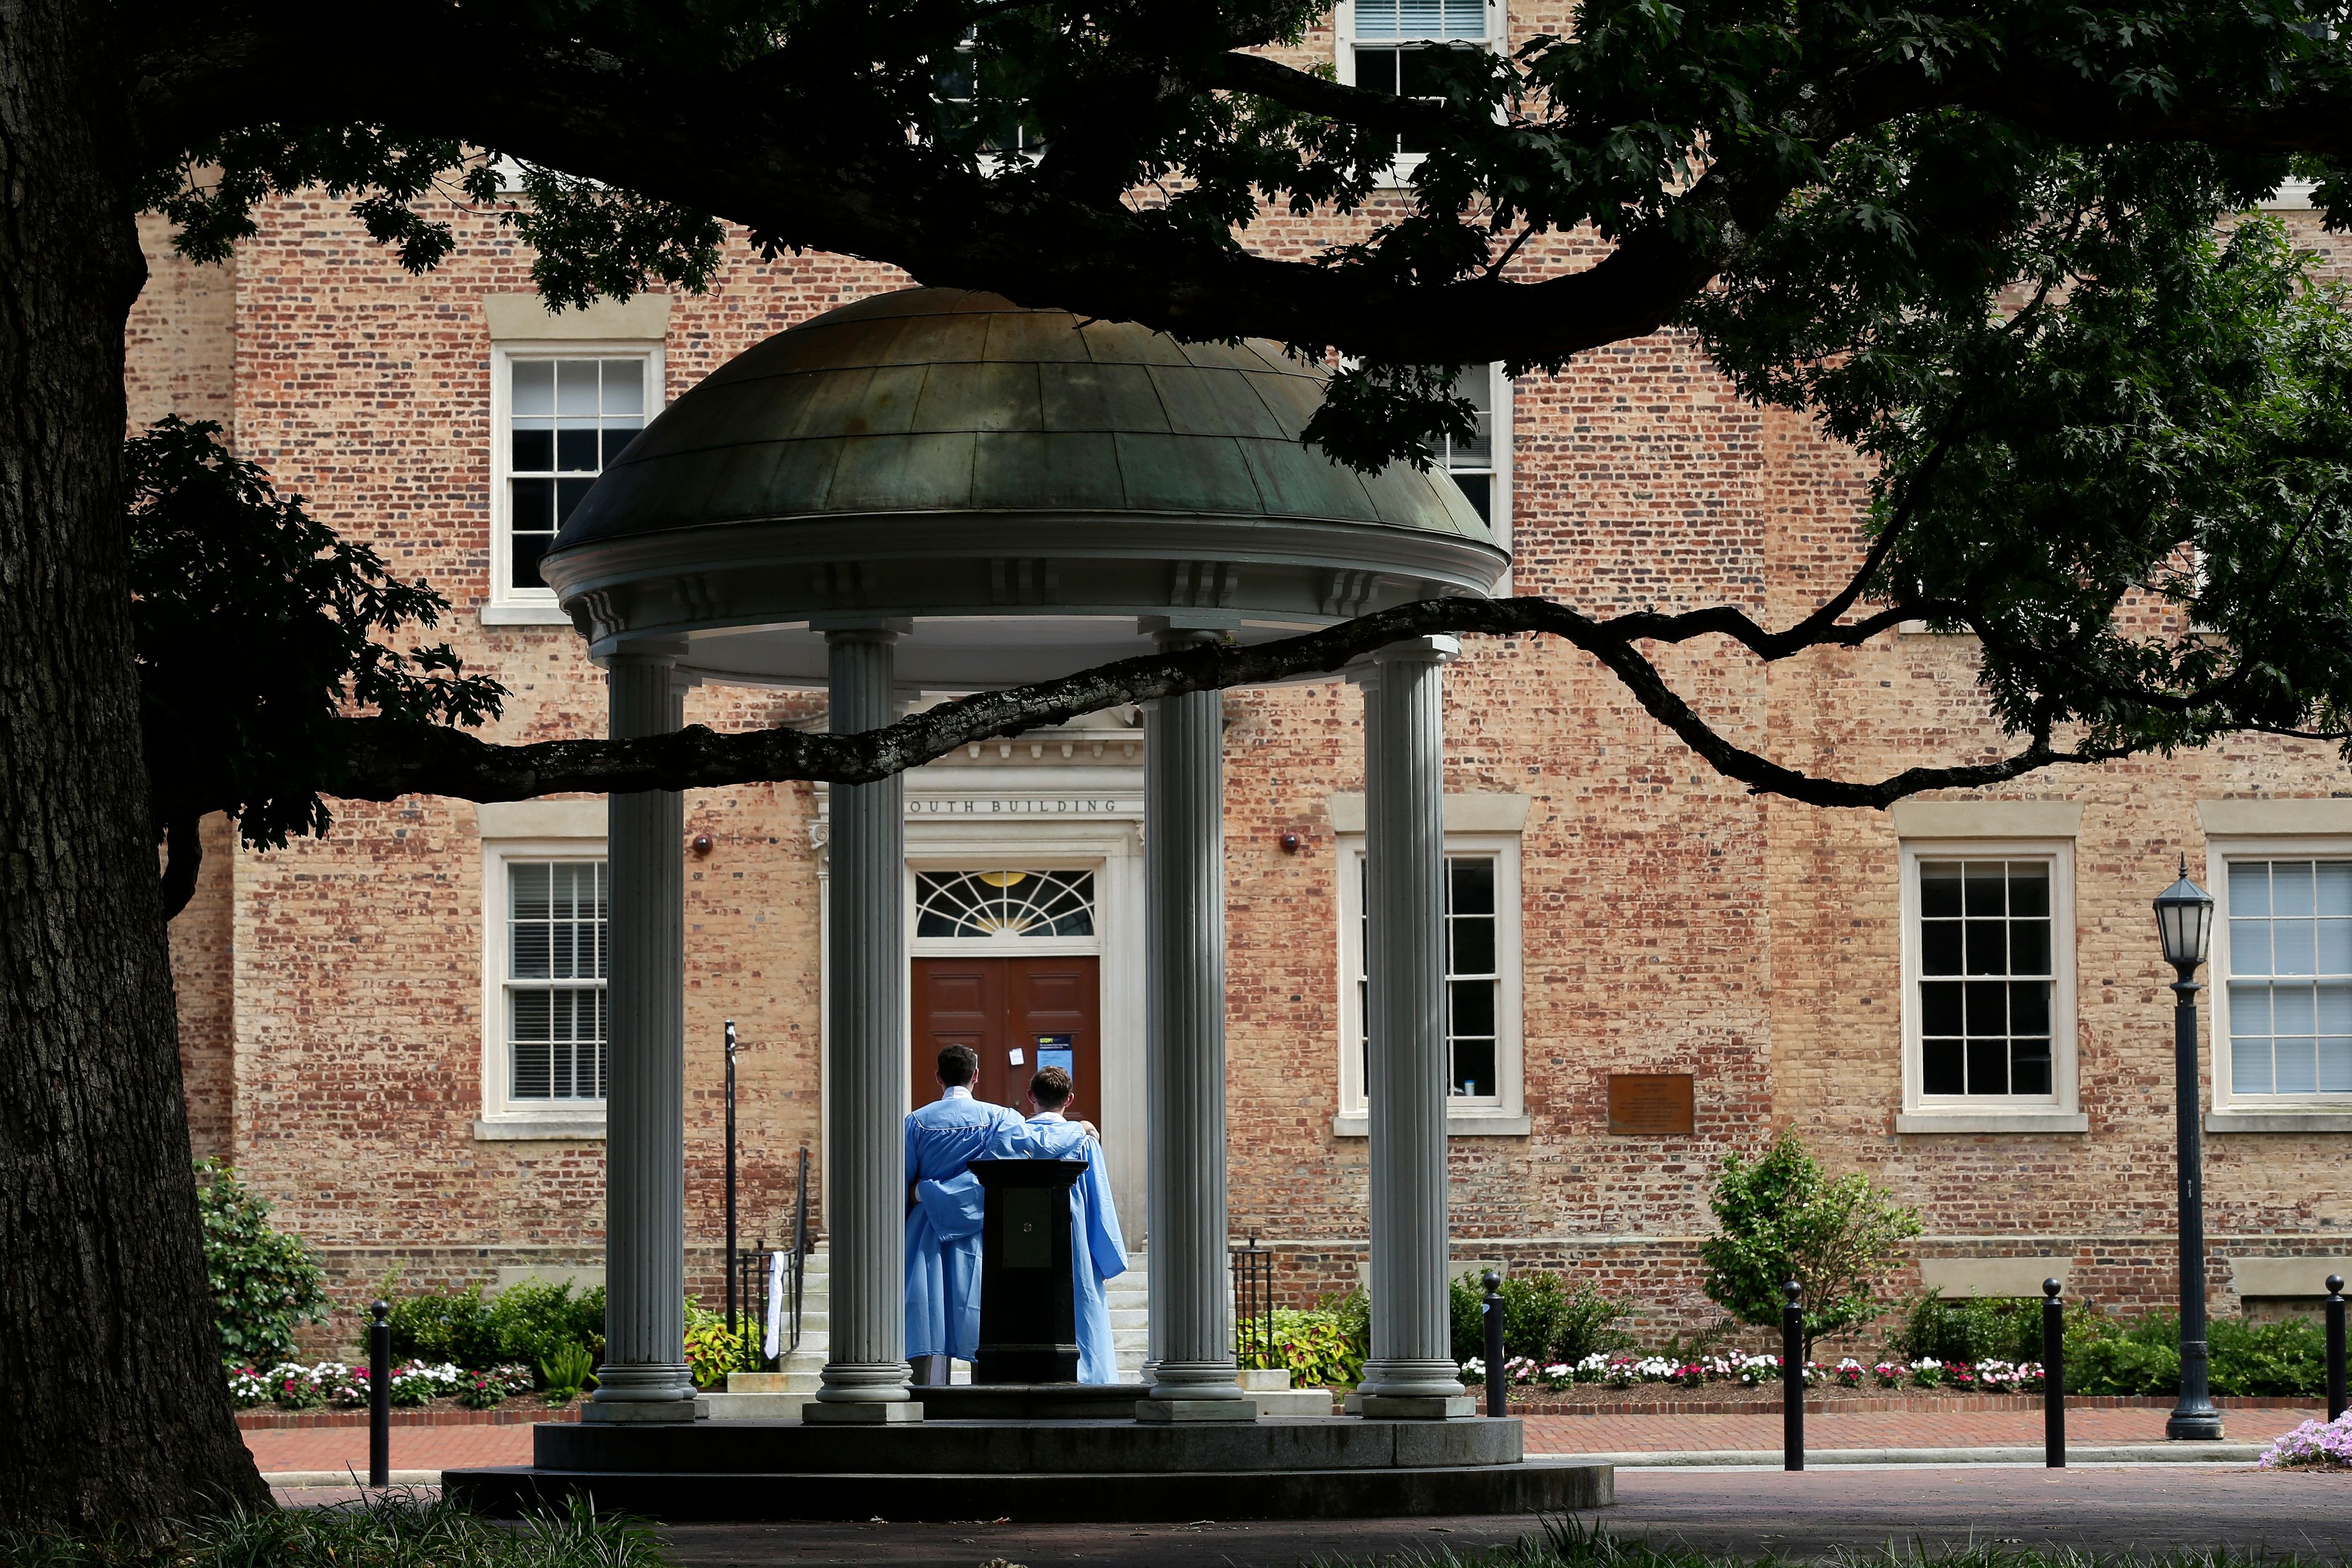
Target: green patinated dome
x=1021 y=494
x=934 y=400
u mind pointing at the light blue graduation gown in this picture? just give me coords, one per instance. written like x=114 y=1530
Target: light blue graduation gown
x=1097 y=1250
x=943 y=1266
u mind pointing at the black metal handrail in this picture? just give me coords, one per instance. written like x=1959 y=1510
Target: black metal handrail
x=1254 y=1305
x=749 y=1273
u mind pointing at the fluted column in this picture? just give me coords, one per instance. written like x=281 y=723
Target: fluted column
x=645 y=1377
x=1411 y=1371
x=865 y=1378
x=1192 y=1330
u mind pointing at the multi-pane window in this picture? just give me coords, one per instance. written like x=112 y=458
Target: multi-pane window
x=567 y=419
x=958 y=84
x=556 y=941
x=1473 y=976
x=2290 y=976
x=1391 y=40
x=1004 y=903
x=1472 y=462
x=1985 y=978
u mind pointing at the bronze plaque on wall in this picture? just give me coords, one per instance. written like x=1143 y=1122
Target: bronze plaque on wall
x=1652 y=1104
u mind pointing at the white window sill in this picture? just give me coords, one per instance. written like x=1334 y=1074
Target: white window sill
x=1993 y=1122
x=539 y=1128
x=2335 y=1118
x=1458 y=1124
x=525 y=615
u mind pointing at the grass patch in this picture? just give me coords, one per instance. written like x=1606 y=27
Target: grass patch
x=1569 y=1543
x=396 y=1529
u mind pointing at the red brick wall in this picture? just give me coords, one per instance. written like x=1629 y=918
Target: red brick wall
x=1672 y=920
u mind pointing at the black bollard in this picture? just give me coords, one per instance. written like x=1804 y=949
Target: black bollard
x=2053 y=1377
x=1497 y=1375
x=380 y=1396
x=1793 y=1379
x=2335 y=1346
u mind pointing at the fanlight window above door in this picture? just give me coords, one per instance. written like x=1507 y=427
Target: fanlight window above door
x=993 y=905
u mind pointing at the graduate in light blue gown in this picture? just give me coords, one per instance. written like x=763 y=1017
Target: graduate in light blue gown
x=1097 y=1252
x=943 y=1260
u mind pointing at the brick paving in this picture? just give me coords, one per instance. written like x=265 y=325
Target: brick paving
x=1877 y=1429
x=412 y=1448
x=442 y=1448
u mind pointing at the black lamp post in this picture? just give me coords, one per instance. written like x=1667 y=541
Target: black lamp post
x=2184 y=921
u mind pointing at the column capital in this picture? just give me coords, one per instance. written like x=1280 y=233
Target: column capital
x=641 y=652
x=1437 y=649
x=1190 y=625
x=862 y=629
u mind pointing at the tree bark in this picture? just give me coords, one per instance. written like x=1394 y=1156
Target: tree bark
x=112 y=1408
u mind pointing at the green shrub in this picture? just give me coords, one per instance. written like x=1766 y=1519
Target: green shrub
x=712 y=1352
x=264 y=1281
x=564 y=1370
x=524 y=1324
x=1781 y=1217
x=451 y=1326
x=1969 y=1331
x=2289 y=1357
x=1316 y=1346
x=2110 y=1355
x=1542 y=1319
x=1352 y=1310
x=533 y=1319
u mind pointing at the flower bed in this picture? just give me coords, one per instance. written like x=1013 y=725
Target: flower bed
x=1745 y=1372
x=291 y=1385
x=2313 y=1446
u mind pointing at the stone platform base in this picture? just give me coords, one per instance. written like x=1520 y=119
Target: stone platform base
x=1304 y=1467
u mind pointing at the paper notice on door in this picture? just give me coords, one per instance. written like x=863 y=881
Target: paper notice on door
x=1016 y=1057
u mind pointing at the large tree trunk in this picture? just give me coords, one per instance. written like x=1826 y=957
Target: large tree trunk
x=112 y=1408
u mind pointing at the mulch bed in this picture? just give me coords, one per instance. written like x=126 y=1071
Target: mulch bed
x=1667 y=1400
x=523 y=1412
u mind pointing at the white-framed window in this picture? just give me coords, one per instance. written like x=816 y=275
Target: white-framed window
x=1484 y=1004
x=957 y=83
x=559 y=412
x=1385 y=45
x=2282 y=963
x=1481 y=466
x=1988 y=975
x=1004 y=903
x=546 y=1023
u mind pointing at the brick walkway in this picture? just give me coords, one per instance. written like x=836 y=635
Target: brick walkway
x=443 y=1448
x=412 y=1448
x=1891 y=1429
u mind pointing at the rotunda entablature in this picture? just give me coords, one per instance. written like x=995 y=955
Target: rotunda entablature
x=1023 y=493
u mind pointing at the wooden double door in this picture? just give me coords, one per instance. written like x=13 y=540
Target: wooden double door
x=1010 y=1010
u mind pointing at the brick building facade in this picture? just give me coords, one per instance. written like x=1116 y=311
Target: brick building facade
x=349 y=1005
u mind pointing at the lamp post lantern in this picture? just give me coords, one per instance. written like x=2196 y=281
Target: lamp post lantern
x=2184 y=923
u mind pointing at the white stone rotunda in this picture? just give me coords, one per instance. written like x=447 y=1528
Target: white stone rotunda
x=936 y=490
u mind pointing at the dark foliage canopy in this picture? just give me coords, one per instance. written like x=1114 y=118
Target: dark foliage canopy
x=260 y=630
x=1997 y=246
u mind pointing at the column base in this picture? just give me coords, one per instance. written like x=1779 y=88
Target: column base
x=1196 y=1410
x=860 y=1412
x=1416 y=1406
x=616 y=1411
x=2193 y=1426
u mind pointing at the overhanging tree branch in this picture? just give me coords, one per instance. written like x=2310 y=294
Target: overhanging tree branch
x=388 y=759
